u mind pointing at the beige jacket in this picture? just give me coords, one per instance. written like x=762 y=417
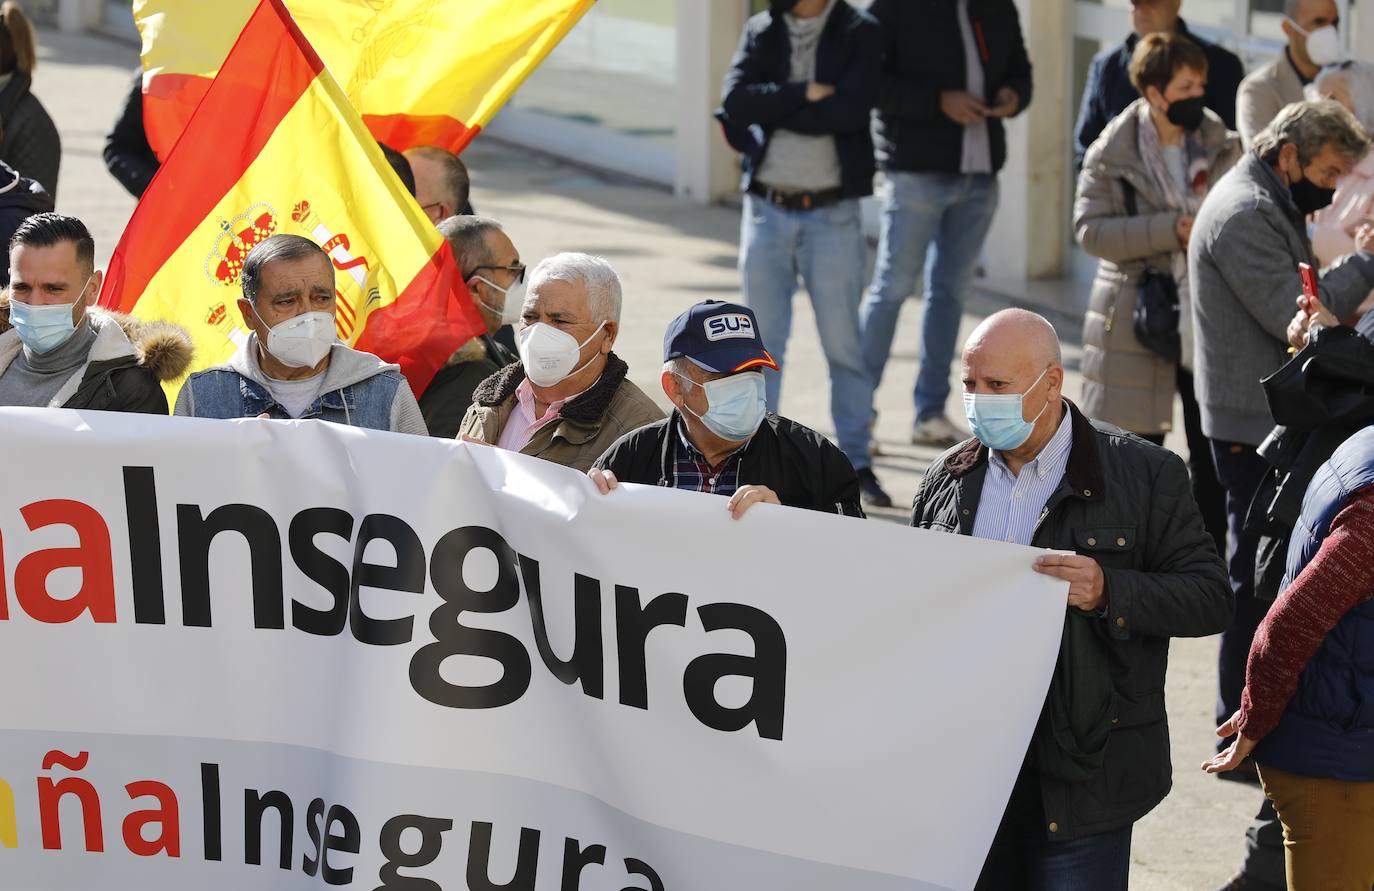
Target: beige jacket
x=1123 y=382
x=586 y=427
x=1264 y=93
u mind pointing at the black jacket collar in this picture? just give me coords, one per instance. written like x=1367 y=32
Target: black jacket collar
x=587 y=407
x=1182 y=31
x=1083 y=474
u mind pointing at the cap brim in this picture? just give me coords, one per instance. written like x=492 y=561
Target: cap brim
x=728 y=360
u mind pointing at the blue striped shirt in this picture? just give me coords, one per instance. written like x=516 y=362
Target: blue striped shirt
x=1010 y=505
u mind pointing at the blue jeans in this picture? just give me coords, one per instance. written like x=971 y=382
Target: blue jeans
x=934 y=225
x=825 y=248
x=1022 y=858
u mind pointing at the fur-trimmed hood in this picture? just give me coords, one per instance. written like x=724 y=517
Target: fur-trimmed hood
x=472 y=350
x=161 y=347
x=588 y=406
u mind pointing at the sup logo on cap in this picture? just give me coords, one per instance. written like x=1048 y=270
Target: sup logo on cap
x=727 y=325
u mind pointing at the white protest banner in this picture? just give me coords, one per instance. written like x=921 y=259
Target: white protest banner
x=295 y=655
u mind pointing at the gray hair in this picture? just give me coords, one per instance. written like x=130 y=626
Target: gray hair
x=1290 y=8
x=681 y=366
x=278 y=247
x=593 y=274
x=467 y=239
x=1311 y=126
x=457 y=183
x=1358 y=79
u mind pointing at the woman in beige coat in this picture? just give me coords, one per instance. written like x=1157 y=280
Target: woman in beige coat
x=1161 y=154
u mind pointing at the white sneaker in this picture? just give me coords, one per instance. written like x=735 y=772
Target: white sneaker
x=937 y=431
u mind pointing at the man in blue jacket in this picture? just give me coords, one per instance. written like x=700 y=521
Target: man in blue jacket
x=797 y=103
x=1109 y=88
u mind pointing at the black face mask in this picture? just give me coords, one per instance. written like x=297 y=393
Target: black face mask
x=1187 y=113
x=1310 y=197
x=781 y=6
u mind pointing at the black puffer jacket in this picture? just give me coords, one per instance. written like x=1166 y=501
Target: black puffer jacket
x=923 y=57
x=802 y=467
x=1128 y=505
x=30 y=142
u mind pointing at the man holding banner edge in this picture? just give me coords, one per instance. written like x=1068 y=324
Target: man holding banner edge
x=720 y=439
x=1141 y=569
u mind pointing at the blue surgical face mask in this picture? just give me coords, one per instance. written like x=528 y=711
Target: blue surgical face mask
x=998 y=421
x=736 y=405
x=44 y=328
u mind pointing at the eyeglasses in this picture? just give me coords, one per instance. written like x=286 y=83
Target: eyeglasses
x=517 y=268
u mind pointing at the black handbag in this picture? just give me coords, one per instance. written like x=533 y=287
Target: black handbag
x=1156 y=317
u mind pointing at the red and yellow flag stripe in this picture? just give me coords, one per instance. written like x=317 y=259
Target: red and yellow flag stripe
x=275 y=146
x=421 y=72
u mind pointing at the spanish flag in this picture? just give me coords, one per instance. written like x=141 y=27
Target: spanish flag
x=421 y=72
x=275 y=146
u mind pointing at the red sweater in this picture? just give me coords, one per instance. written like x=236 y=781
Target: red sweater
x=1339 y=578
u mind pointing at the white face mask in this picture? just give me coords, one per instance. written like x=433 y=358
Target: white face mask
x=514 y=302
x=1323 y=44
x=301 y=341
x=549 y=355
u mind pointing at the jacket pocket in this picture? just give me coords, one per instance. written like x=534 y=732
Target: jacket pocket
x=1110 y=546
x=1105 y=539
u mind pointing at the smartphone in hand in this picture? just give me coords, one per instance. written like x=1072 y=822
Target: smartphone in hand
x=1309 y=280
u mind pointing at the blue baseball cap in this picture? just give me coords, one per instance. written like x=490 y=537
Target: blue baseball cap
x=720 y=337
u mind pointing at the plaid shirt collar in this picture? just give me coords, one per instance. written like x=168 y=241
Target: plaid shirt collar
x=693 y=473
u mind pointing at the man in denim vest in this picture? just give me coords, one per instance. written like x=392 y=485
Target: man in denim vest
x=292 y=365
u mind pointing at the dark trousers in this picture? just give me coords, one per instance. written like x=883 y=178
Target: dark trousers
x=1207 y=489
x=1239 y=470
x=1202 y=470
x=1022 y=857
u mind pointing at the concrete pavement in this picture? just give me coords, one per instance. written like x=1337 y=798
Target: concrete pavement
x=670 y=255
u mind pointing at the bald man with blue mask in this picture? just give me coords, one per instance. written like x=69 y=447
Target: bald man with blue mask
x=1116 y=519
x=720 y=438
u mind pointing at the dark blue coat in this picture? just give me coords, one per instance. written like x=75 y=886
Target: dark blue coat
x=760 y=97
x=1328 y=727
x=1109 y=89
